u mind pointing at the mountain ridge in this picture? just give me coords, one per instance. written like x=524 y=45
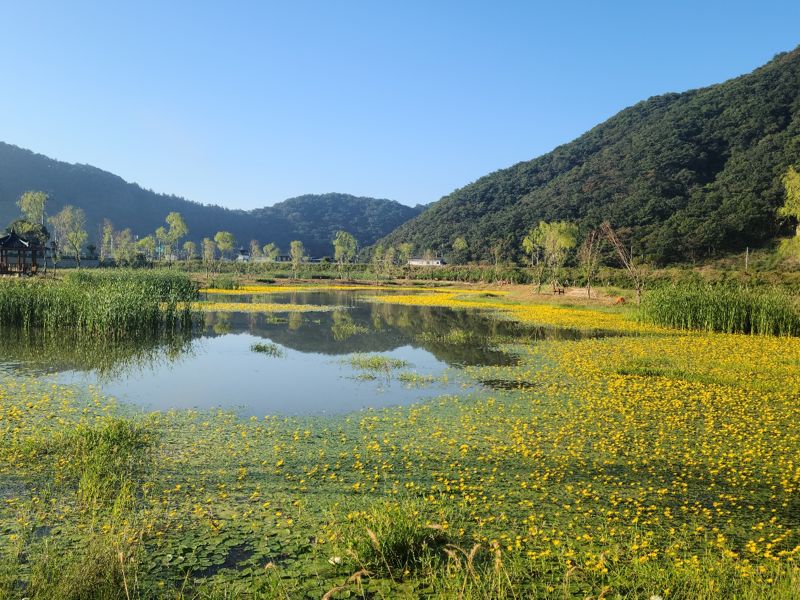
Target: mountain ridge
x=686 y=175
x=103 y=194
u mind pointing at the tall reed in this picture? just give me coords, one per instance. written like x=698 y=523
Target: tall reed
x=723 y=308
x=112 y=304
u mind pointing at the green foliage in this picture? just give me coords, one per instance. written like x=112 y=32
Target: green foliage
x=723 y=308
x=32 y=206
x=298 y=253
x=69 y=230
x=791 y=208
x=224 y=241
x=688 y=175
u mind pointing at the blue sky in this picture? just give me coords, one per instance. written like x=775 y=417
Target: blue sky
x=245 y=104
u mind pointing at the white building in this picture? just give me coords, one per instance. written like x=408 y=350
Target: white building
x=426 y=262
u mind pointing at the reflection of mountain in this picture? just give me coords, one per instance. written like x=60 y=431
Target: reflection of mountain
x=363 y=327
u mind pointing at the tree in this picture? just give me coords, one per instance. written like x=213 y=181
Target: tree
x=190 y=250
x=634 y=269
x=389 y=256
x=460 y=248
x=177 y=230
x=377 y=261
x=124 y=248
x=345 y=247
x=209 y=254
x=404 y=252
x=553 y=241
x=791 y=208
x=588 y=257
x=32 y=206
x=147 y=246
x=69 y=230
x=106 y=240
x=271 y=252
x=532 y=244
x=255 y=249
x=161 y=242
x=298 y=254
x=224 y=241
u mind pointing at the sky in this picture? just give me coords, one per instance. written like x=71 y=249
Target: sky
x=244 y=104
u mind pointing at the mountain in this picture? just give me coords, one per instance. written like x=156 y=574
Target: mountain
x=683 y=176
x=312 y=219
x=315 y=219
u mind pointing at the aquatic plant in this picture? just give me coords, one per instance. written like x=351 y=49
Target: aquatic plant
x=268 y=348
x=375 y=362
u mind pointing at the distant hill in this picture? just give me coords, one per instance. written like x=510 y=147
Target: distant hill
x=312 y=219
x=688 y=175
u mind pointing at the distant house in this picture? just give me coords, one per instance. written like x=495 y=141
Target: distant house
x=243 y=255
x=19 y=255
x=426 y=262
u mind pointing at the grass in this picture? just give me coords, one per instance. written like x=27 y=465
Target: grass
x=723 y=308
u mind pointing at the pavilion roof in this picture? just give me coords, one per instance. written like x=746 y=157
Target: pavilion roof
x=13 y=241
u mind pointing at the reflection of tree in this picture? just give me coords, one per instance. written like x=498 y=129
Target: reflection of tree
x=48 y=352
x=343 y=327
x=295 y=321
x=222 y=325
x=383 y=327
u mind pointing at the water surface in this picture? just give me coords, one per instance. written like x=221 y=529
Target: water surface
x=215 y=366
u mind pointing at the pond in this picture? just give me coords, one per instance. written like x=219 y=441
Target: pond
x=349 y=355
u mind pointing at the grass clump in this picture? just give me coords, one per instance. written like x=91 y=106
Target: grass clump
x=390 y=539
x=723 y=308
x=268 y=349
x=376 y=362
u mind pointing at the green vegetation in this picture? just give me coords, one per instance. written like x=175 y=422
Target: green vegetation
x=375 y=362
x=111 y=303
x=723 y=308
x=680 y=176
x=268 y=349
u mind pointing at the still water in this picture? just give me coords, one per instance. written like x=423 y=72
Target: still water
x=311 y=373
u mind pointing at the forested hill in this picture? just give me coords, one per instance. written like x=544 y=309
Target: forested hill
x=691 y=175
x=315 y=218
x=312 y=219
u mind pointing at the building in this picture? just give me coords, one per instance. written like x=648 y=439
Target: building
x=426 y=262
x=20 y=256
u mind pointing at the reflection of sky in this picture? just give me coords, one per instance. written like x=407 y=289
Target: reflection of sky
x=224 y=372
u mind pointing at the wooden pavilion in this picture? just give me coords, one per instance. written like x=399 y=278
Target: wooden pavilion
x=19 y=255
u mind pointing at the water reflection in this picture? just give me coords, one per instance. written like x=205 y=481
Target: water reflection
x=216 y=367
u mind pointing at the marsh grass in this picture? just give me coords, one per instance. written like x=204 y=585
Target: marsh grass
x=723 y=308
x=114 y=304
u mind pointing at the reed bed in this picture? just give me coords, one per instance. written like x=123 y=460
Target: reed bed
x=723 y=308
x=111 y=304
